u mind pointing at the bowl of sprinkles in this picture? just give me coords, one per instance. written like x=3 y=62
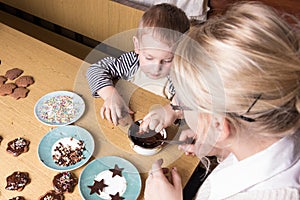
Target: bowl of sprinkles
x=59 y=108
x=66 y=148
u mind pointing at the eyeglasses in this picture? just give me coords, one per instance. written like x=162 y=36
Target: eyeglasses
x=178 y=107
x=248 y=119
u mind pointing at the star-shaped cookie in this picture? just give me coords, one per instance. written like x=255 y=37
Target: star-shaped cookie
x=116 y=171
x=97 y=187
x=116 y=196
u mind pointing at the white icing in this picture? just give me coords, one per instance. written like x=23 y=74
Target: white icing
x=115 y=184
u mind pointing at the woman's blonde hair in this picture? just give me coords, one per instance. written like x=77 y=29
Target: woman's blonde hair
x=247 y=56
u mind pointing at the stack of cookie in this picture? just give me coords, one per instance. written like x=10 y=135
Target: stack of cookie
x=17 y=89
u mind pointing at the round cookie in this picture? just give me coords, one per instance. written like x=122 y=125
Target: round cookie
x=7 y=88
x=17 y=181
x=24 y=81
x=19 y=92
x=52 y=195
x=18 y=146
x=65 y=182
x=13 y=73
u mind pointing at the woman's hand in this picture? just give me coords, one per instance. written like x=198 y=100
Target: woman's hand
x=158 y=186
x=114 y=108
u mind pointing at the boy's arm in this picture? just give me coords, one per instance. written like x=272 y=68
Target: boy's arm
x=102 y=73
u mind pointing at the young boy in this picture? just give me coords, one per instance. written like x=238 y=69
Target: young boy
x=148 y=66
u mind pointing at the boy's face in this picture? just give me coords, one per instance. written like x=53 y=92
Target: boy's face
x=155 y=57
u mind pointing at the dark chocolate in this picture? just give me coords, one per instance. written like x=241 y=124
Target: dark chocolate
x=52 y=195
x=97 y=187
x=17 y=181
x=18 y=146
x=116 y=171
x=17 y=198
x=116 y=196
x=150 y=139
x=65 y=182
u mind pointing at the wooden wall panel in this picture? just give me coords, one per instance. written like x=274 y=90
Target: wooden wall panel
x=97 y=19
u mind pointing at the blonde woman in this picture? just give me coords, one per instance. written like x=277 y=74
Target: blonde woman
x=237 y=82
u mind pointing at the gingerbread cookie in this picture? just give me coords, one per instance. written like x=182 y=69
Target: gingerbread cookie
x=17 y=181
x=20 y=92
x=13 y=73
x=7 y=88
x=52 y=195
x=18 y=146
x=3 y=79
x=65 y=182
x=17 y=198
x=24 y=81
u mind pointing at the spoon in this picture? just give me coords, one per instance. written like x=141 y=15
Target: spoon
x=187 y=141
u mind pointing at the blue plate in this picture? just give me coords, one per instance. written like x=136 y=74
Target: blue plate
x=59 y=108
x=130 y=173
x=47 y=142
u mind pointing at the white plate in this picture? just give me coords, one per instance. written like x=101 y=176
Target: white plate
x=59 y=108
x=56 y=134
x=130 y=173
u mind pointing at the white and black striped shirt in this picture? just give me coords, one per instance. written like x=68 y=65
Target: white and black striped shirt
x=102 y=73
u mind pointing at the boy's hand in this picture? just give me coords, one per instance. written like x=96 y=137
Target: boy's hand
x=158 y=118
x=114 y=108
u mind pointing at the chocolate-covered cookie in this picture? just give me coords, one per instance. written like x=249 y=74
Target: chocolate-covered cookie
x=13 y=73
x=65 y=182
x=19 y=92
x=17 y=181
x=18 y=146
x=24 y=81
x=7 y=88
x=17 y=198
x=52 y=194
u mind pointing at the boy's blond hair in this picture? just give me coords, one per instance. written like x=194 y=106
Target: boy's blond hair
x=165 y=21
x=247 y=55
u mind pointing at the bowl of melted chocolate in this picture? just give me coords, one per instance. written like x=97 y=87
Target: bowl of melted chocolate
x=145 y=143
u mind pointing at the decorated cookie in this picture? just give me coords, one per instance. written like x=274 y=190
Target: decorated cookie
x=13 y=73
x=17 y=181
x=65 y=182
x=97 y=187
x=116 y=196
x=17 y=198
x=18 y=146
x=116 y=171
x=19 y=92
x=7 y=88
x=109 y=182
x=24 y=81
x=3 y=79
x=52 y=194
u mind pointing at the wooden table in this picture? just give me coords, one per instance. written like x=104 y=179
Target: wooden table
x=55 y=70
